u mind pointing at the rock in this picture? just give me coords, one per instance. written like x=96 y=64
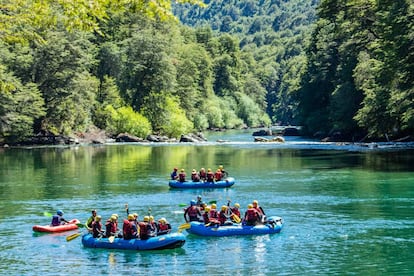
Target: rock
x=126 y=137
x=263 y=132
x=290 y=131
x=192 y=138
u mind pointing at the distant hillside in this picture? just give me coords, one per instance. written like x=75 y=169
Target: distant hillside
x=274 y=31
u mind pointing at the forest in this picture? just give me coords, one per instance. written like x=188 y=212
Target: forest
x=174 y=67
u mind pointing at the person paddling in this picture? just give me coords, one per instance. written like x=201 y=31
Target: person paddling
x=58 y=219
x=91 y=219
x=96 y=226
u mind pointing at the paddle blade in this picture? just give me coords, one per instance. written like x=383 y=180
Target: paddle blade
x=212 y=202
x=47 y=214
x=236 y=218
x=72 y=237
x=182 y=205
x=183 y=227
x=111 y=239
x=80 y=225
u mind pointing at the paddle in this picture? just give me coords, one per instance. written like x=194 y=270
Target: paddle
x=73 y=236
x=111 y=239
x=183 y=227
x=47 y=214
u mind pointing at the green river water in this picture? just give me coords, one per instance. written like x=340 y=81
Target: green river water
x=348 y=210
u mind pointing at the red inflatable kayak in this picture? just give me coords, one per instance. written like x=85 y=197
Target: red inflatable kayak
x=60 y=228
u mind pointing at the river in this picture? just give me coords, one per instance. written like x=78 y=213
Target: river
x=348 y=209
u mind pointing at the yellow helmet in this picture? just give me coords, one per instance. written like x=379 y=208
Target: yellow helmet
x=209 y=170
x=237 y=205
x=255 y=202
x=135 y=215
x=131 y=217
x=213 y=206
x=250 y=206
x=207 y=209
x=224 y=208
x=162 y=220
x=151 y=218
x=115 y=215
x=113 y=218
x=221 y=167
x=146 y=218
x=98 y=218
x=182 y=170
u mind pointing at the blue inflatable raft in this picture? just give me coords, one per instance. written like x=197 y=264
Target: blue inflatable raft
x=228 y=182
x=168 y=241
x=272 y=226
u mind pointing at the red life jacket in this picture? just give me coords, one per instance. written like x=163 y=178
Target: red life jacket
x=222 y=217
x=163 y=227
x=181 y=177
x=192 y=211
x=213 y=214
x=218 y=176
x=252 y=215
x=210 y=177
x=127 y=229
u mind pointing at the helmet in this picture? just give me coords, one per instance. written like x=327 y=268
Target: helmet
x=250 y=206
x=224 y=208
x=213 y=206
x=255 y=202
x=209 y=170
x=182 y=170
x=207 y=209
x=199 y=197
x=192 y=202
x=175 y=169
x=202 y=169
x=151 y=218
x=237 y=205
x=162 y=220
x=221 y=167
x=193 y=171
x=115 y=215
x=131 y=217
x=98 y=218
x=59 y=213
x=146 y=218
x=113 y=218
x=135 y=215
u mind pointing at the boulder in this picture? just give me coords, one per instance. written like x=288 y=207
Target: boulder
x=263 y=132
x=126 y=137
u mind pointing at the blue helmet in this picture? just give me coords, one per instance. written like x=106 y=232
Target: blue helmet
x=192 y=202
x=59 y=212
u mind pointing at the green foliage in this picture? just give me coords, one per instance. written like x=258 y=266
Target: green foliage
x=20 y=106
x=177 y=122
x=125 y=119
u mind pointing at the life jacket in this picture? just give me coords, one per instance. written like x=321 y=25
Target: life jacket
x=259 y=210
x=145 y=230
x=193 y=213
x=210 y=177
x=110 y=228
x=213 y=214
x=222 y=217
x=252 y=215
x=236 y=211
x=218 y=176
x=96 y=229
x=56 y=220
x=195 y=177
x=206 y=218
x=202 y=175
x=127 y=230
x=174 y=175
x=163 y=228
x=181 y=177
